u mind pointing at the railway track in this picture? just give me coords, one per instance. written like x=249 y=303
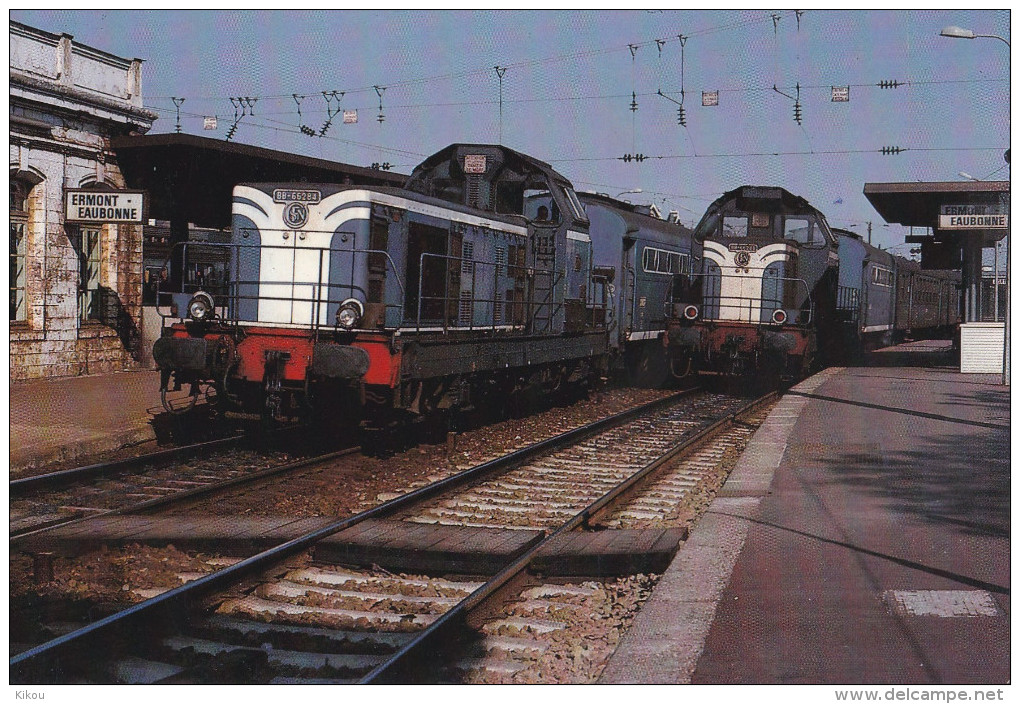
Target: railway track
x=138 y=485
x=326 y=623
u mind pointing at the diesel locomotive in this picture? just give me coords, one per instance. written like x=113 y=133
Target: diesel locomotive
x=780 y=292
x=482 y=280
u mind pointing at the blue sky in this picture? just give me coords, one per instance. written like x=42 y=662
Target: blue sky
x=569 y=84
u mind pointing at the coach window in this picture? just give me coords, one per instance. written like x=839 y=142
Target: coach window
x=19 y=249
x=734 y=226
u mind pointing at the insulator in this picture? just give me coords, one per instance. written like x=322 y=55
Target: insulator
x=307 y=130
x=891 y=150
x=633 y=102
x=889 y=84
x=797 y=114
x=681 y=117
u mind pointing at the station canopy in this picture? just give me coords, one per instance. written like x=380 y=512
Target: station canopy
x=920 y=204
x=191 y=178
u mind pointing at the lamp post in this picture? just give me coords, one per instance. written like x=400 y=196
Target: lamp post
x=961 y=33
x=955 y=32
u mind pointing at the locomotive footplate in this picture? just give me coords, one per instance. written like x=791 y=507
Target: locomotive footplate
x=449 y=357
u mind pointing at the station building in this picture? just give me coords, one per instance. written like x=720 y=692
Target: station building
x=75 y=282
x=98 y=206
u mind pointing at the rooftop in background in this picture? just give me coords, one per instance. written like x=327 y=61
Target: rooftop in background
x=200 y=173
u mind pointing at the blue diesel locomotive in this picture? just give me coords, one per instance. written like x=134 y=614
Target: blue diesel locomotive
x=780 y=291
x=483 y=278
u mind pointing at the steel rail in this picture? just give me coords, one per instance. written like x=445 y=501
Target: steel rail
x=27 y=485
x=415 y=655
x=32 y=665
x=182 y=496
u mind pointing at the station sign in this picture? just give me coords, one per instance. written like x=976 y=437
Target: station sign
x=973 y=217
x=91 y=206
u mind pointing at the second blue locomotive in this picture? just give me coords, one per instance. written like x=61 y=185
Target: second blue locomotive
x=780 y=292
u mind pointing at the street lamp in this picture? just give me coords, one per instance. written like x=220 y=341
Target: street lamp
x=955 y=32
x=635 y=190
x=961 y=33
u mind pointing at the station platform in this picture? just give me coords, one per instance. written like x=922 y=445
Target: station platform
x=67 y=418
x=864 y=538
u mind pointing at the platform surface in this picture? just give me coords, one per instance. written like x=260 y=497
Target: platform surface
x=863 y=538
x=71 y=417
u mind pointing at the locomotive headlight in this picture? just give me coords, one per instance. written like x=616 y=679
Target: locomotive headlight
x=691 y=312
x=349 y=313
x=779 y=316
x=201 y=307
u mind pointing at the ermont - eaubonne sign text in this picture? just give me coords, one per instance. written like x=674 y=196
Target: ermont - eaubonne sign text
x=972 y=217
x=104 y=206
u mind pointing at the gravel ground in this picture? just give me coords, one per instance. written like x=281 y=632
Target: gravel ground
x=578 y=653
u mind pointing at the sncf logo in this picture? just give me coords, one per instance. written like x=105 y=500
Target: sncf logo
x=295 y=215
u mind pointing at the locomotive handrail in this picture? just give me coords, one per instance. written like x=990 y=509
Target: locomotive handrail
x=723 y=302
x=446 y=298
x=232 y=285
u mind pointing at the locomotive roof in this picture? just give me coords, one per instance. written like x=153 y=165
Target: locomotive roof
x=764 y=194
x=513 y=157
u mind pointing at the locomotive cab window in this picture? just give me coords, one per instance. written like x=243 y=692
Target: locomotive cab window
x=734 y=226
x=707 y=228
x=540 y=205
x=575 y=204
x=798 y=230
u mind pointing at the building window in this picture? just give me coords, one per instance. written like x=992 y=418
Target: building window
x=89 y=257
x=19 y=250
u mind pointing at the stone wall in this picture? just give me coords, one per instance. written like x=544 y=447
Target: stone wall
x=66 y=104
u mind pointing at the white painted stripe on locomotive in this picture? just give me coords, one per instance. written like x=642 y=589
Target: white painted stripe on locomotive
x=876 y=328
x=740 y=288
x=645 y=335
x=578 y=236
x=339 y=199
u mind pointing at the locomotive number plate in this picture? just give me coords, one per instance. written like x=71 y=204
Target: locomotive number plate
x=742 y=247
x=290 y=195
